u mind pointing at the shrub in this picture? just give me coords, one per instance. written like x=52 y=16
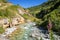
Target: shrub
x=51 y=35
x=1 y=30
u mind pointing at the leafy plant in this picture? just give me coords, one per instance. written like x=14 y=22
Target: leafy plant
x=1 y=30
x=51 y=35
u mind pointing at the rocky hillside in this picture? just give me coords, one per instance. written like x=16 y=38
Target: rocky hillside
x=10 y=15
x=13 y=15
x=48 y=11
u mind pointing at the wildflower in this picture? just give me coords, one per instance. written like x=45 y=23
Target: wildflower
x=49 y=26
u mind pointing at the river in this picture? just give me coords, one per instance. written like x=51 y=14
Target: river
x=31 y=32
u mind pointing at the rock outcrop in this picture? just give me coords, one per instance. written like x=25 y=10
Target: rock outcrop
x=16 y=17
x=17 y=20
x=14 y=21
x=4 y=22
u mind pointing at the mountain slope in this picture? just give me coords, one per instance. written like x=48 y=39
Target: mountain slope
x=46 y=11
x=16 y=13
x=9 y=15
x=14 y=20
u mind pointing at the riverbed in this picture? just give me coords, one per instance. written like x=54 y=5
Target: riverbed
x=30 y=32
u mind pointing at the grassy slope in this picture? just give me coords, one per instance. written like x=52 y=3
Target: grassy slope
x=8 y=10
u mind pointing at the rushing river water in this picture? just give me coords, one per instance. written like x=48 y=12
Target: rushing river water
x=31 y=32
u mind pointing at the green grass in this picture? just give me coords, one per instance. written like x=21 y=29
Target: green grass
x=3 y=1
x=26 y=16
x=6 y=13
x=9 y=12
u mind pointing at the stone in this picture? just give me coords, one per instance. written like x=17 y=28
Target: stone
x=0 y=4
x=4 y=22
x=21 y=11
x=14 y=21
x=17 y=21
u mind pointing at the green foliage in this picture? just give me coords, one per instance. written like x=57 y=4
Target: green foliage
x=41 y=38
x=44 y=6
x=51 y=35
x=26 y=16
x=13 y=7
x=48 y=10
x=1 y=30
x=3 y=1
x=7 y=13
x=55 y=18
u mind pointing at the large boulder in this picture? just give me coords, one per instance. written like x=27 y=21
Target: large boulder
x=17 y=20
x=21 y=11
x=4 y=22
x=22 y=20
x=14 y=21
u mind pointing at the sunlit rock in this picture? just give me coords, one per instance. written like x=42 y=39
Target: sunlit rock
x=14 y=21
x=0 y=4
x=21 y=11
x=4 y=22
x=17 y=20
x=22 y=20
x=10 y=30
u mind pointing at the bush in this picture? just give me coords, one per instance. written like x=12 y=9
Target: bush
x=1 y=30
x=55 y=19
x=7 y=13
x=51 y=35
